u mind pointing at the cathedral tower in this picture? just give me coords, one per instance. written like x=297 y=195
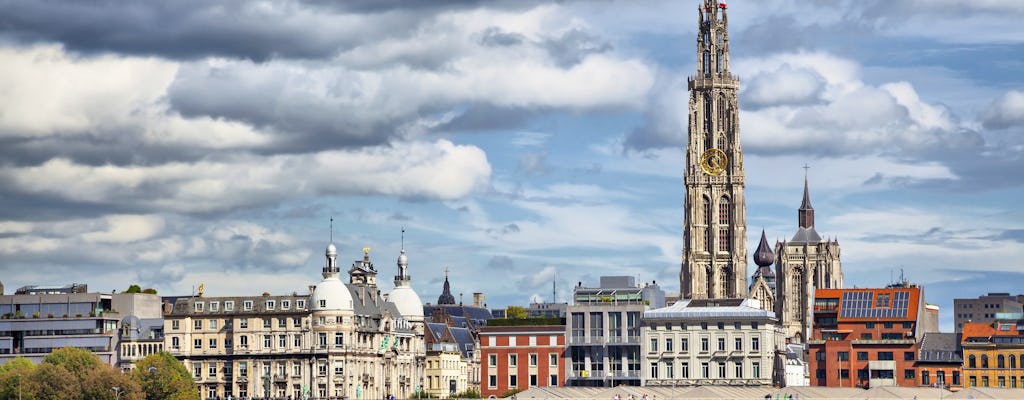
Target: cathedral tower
x=715 y=222
x=805 y=263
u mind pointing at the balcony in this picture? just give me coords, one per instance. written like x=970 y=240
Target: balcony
x=886 y=365
x=624 y=340
x=280 y=378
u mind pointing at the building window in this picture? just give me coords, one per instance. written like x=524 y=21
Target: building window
x=553 y=380
x=956 y=378
x=704 y=346
x=654 y=370
x=843 y=356
x=972 y=362
x=819 y=373
x=213 y=324
x=213 y=343
x=721 y=325
x=984 y=361
x=300 y=304
x=705 y=370
x=753 y=325
x=174 y=325
x=266 y=341
x=323 y=340
x=513 y=381
x=533 y=380
x=492 y=360
x=684 y=345
x=885 y=356
x=212 y=370
x=552 y=360
x=755 y=344
x=973 y=380
x=862 y=356
x=271 y=304
x=197 y=324
x=199 y=306
x=669 y=372
x=925 y=379
x=819 y=356
x=339 y=368
x=668 y=345
x=247 y=305
x=721 y=369
x=738 y=343
x=684 y=370
x=908 y=374
x=282 y=341
x=321 y=368
x=243 y=342
x=243 y=369
x=654 y=345
x=739 y=369
x=323 y=303
x=197 y=344
x=533 y=360
x=197 y=370
x=984 y=381
x=721 y=344
x=887 y=325
x=243 y=323
x=175 y=344
x=908 y=356
x=1000 y=361
x=282 y=322
x=266 y=323
x=286 y=304
x=492 y=381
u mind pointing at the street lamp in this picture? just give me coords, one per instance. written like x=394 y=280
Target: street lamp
x=117 y=392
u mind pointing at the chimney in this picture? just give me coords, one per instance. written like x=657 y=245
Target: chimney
x=478 y=299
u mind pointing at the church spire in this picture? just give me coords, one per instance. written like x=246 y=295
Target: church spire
x=446 y=295
x=806 y=213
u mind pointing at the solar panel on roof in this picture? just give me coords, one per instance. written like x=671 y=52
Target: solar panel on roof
x=859 y=305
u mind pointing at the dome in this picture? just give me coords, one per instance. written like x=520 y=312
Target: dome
x=407 y=302
x=763 y=256
x=402 y=259
x=331 y=250
x=333 y=294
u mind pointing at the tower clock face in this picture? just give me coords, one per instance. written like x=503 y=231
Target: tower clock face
x=713 y=161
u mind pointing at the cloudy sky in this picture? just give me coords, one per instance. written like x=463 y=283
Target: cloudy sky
x=519 y=143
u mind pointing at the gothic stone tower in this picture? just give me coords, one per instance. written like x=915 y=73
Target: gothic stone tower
x=715 y=223
x=803 y=264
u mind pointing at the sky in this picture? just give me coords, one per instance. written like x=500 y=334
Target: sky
x=520 y=144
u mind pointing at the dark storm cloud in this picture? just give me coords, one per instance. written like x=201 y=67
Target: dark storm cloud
x=575 y=45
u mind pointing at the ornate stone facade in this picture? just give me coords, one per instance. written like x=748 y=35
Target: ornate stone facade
x=714 y=230
x=804 y=264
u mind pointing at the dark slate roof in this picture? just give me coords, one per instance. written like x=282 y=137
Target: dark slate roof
x=437 y=329
x=185 y=306
x=479 y=315
x=941 y=347
x=464 y=338
x=806 y=235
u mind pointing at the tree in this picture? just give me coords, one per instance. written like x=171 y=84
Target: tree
x=15 y=377
x=53 y=382
x=99 y=384
x=161 y=376
x=149 y=291
x=515 y=312
x=76 y=361
x=134 y=289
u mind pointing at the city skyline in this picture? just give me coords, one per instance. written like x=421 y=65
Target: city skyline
x=523 y=142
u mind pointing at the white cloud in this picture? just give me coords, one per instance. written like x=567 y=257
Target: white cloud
x=1005 y=111
x=416 y=169
x=126 y=228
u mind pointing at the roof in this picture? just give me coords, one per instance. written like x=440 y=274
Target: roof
x=875 y=304
x=806 y=235
x=709 y=308
x=986 y=332
x=940 y=347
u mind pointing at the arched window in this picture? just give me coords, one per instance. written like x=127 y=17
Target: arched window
x=718 y=62
x=984 y=361
x=710 y=279
x=1001 y=361
x=972 y=361
x=707 y=221
x=1013 y=361
x=708 y=123
x=707 y=63
x=724 y=224
x=720 y=37
x=725 y=278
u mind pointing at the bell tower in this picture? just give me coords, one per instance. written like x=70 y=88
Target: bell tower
x=715 y=221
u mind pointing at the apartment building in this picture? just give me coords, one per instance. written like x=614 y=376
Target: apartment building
x=521 y=357
x=725 y=342
x=993 y=354
x=866 y=337
x=984 y=308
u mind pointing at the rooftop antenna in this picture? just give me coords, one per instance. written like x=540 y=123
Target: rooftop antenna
x=403 y=238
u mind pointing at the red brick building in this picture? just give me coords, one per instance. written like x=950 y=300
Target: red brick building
x=866 y=337
x=521 y=357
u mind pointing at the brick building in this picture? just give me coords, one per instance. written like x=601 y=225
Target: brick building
x=521 y=357
x=993 y=354
x=866 y=337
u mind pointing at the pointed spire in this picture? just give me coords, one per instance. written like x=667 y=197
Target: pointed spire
x=446 y=294
x=403 y=264
x=805 y=215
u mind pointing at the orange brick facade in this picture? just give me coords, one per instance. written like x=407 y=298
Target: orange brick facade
x=873 y=343
x=520 y=357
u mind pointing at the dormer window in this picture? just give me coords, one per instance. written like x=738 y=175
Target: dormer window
x=300 y=304
x=214 y=305
x=247 y=305
x=199 y=306
x=271 y=304
x=286 y=304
